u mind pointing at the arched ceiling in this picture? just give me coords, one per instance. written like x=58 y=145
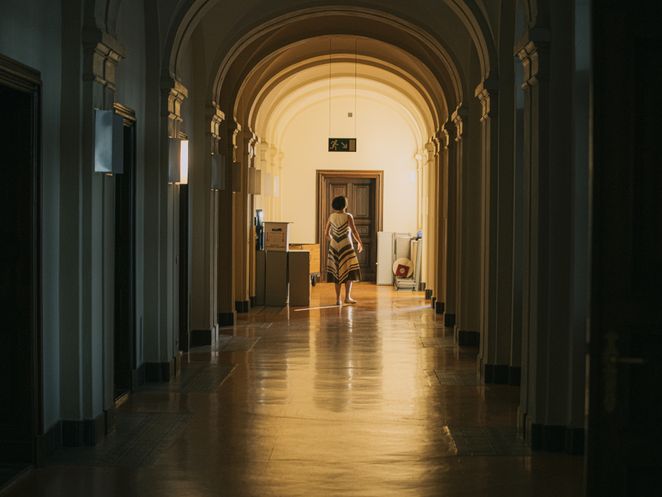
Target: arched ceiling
x=307 y=34
x=280 y=103
x=438 y=27
x=310 y=61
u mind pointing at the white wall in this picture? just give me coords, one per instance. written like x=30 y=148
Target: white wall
x=385 y=141
x=30 y=32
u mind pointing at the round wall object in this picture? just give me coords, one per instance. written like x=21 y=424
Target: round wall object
x=403 y=267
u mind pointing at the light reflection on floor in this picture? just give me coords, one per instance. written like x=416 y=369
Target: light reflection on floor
x=364 y=400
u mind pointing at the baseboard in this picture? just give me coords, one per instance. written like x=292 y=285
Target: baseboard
x=496 y=374
x=467 y=338
x=514 y=376
x=200 y=338
x=84 y=433
x=440 y=307
x=49 y=443
x=156 y=372
x=449 y=319
x=428 y=294
x=242 y=306
x=226 y=318
x=574 y=440
x=557 y=438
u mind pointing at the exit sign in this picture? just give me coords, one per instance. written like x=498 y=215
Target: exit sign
x=342 y=144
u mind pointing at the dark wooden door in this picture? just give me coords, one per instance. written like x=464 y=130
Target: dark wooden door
x=625 y=410
x=361 y=194
x=125 y=272
x=19 y=275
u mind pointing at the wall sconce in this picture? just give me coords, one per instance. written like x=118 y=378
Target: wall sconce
x=217 y=172
x=236 y=177
x=174 y=159
x=108 y=142
x=254 y=181
x=183 y=162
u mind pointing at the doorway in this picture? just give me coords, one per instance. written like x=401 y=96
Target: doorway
x=20 y=271
x=124 y=356
x=363 y=190
x=625 y=341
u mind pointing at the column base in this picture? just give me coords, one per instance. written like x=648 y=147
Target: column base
x=440 y=307
x=200 y=338
x=433 y=302
x=497 y=374
x=428 y=294
x=252 y=301
x=242 y=306
x=467 y=338
x=49 y=443
x=138 y=377
x=85 y=432
x=557 y=438
x=449 y=319
x=514 y=376
x=226 y=318
x=156 y=372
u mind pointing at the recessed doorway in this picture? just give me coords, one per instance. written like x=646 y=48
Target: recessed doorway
x=363 y=190
x=124 y=356
x=20 y=270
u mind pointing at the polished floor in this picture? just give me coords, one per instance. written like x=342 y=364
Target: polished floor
x=366 y=400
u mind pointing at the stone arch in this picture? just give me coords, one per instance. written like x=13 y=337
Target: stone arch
x=189 y=14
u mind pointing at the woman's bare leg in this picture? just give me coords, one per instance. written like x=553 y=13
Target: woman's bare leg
x=338 y=286
x=348 y=293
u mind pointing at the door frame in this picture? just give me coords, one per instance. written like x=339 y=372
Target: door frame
x=129 y=122
x=15 y=75
x=323 y=176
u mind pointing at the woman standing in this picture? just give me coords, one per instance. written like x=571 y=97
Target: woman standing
x=342 y=265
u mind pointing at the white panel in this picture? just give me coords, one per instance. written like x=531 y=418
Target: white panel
x=384 y=258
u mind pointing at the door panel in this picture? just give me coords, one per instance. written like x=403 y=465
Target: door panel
x=18 y=277
x=623 y=456
x=361 y=193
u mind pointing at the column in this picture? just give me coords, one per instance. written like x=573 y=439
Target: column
x=226 y=234
x=548 y=244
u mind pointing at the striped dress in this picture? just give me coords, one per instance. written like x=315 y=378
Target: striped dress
x=341 y=264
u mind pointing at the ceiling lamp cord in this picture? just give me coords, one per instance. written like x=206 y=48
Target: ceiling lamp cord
x=329 y=86
x=356 y=57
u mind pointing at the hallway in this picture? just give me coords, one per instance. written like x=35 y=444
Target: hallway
x=366 y=400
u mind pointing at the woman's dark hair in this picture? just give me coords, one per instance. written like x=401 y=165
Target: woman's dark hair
x=339 y=203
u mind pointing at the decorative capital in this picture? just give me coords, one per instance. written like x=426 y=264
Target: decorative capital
x=101 y=55
x=176 y=93
x=529 y=53
x=486 y=92
x=444 y=135
x=457 y=118
x=217 y=118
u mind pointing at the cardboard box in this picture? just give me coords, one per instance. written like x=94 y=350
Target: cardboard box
x=260 y=276
x=298 y=264
x=314 y=249
x=276 y=236
x=275 y=287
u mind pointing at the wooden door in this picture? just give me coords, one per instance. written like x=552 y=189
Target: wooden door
x=363 y=192
x=20 y=200
x=625 y=406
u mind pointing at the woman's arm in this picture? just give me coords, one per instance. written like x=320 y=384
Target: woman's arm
x=355 y=233
x=327 y=231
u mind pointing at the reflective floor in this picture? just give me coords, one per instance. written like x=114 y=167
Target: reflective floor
x=364 y=400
